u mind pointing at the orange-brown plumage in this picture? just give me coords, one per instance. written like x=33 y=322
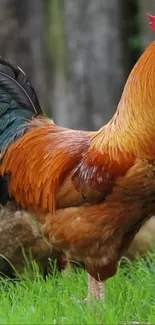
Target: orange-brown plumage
x=99 y=234
x=40 y=162
x=94 y=189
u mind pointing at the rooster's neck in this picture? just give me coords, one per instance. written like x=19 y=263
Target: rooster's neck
x=132 y=129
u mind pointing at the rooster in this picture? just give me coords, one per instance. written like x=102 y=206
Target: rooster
x=91 y=191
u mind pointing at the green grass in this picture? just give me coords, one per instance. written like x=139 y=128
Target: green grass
x=130 y=297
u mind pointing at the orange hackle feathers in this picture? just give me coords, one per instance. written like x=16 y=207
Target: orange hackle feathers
x=131 y=130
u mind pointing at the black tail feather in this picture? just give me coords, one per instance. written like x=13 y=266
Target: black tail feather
x=13 y=80
x=18 y=105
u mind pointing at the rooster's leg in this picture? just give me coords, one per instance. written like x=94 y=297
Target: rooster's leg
x=96 y=289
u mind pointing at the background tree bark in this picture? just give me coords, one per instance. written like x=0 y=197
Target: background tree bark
x=96 y=62
x=22 y=41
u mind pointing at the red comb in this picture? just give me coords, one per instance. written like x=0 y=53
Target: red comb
x=152 y=21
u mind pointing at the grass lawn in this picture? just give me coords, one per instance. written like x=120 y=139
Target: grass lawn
x=130 y=297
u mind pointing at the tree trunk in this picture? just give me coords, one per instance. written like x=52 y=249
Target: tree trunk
x=96 y=62
x=22 y=40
